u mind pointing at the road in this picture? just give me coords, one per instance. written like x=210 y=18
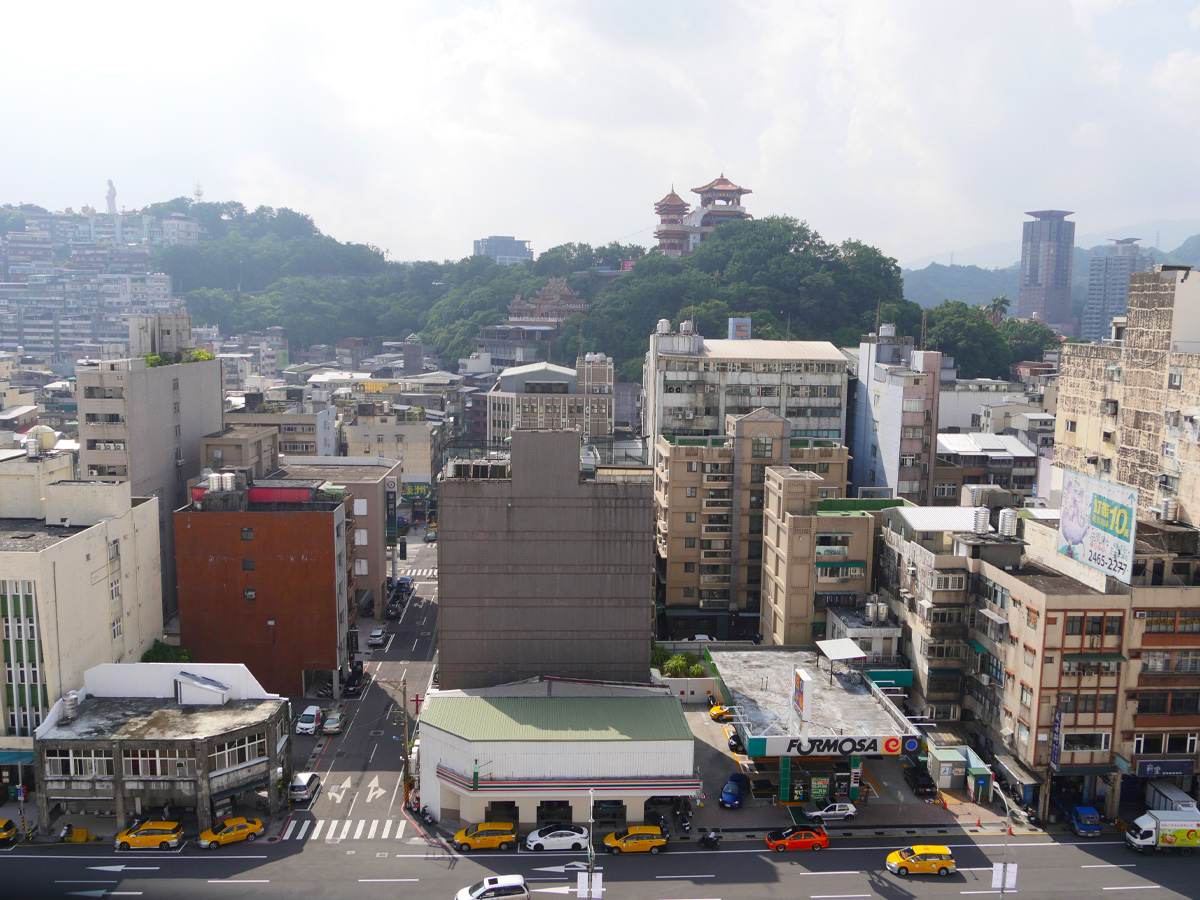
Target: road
x=356 y=841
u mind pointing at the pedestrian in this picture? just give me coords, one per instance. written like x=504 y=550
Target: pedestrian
x=166 y=810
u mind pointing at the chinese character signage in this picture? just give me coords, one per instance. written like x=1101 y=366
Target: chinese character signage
x=1098 y=524
x=1056 y=740
x=415 y=490
x=739 y=329
x=390 y=488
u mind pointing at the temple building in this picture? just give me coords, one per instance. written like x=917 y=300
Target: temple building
x=551 y=306
x=682 y=229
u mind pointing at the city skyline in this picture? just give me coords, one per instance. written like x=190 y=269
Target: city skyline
x=439 y=125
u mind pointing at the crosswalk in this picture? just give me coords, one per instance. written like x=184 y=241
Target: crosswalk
x=337 y=830
x=421 y=573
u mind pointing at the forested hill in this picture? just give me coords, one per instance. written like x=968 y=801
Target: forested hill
x=269 y=266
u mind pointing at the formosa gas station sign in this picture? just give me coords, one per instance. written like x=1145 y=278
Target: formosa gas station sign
x=832 y=745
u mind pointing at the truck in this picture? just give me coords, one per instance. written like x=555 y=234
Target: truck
x=1166 y=796
x=1084 y=820
x=1164 y=830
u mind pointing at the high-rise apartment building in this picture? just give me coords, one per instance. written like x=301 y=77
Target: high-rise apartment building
x=1047 y=258
x=692 y=383
x=1128 y=411
x=143 y=424
x=709 y=503
x=1108 y=285
x=541 y=570
x=895 y=418
x=504 y=249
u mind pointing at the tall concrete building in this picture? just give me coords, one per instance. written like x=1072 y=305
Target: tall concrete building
x=79 y=586
x=1129 y=410
x=541 y=571
x=709 y=504
x=1108 y=285
x=691 y=384
x=895 y=418
x=1047 y=257
x=143 y=425
x=504 y=249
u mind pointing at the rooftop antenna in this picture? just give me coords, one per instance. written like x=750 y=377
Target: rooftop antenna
x=924 y=328
x=789 y=327
x=198 y=193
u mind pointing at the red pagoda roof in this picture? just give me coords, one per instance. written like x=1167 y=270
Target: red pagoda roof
x=671 y=200
x=721 y=183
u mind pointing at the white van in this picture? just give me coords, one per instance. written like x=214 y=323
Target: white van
x=310 y=720
x=498 y=887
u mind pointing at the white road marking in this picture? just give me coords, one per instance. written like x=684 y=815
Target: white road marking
x=1006 y=893
x=346 y=830
x=1137 y=887
x=362 y=823
x=833 y=896
x=374 y=825
x=317 y=830
x=287 y=832
x=1110 y=866
x=387 y=827
x=399 y=830
x=666 y=877
x=373 y=880
x=303 y=828
x=239 y=881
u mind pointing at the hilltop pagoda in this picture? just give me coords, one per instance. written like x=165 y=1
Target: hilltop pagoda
x=551 y=306
x=672 y=234
x=681 y=229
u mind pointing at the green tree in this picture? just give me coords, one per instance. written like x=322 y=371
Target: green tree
x=1028 y=339
x=963 y=332
x=997 y=309
x=161 y=651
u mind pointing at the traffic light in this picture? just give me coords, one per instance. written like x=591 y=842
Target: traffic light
x=402 y=548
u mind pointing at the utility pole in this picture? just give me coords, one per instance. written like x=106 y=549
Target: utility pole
x=404 y=735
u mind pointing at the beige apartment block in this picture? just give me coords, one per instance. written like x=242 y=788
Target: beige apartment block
x=691 y=384
x=142 y=425
x=812 y=562
x=79 y=586
x=543 y=395
x=397 y=432
x=709 y=497
x=1129 y=409
x=244 y=447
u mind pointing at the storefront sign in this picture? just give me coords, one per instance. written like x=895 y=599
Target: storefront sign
x=390 y=486
x=415 y=490
x=820 y=787
x=832 y=745
x=1155 y=768
x=801 y=681
x=1121 y=763
x=1056 y=740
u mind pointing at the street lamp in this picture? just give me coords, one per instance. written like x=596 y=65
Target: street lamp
x=591 y=844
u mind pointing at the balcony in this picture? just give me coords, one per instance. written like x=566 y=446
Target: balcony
x=833 y=551
x=715 y=579
x=715 y=605
x=719 y=503
x=716 y=554
x=716 y=478
x=716 y=529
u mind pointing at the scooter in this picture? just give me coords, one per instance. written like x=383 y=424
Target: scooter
x=709 y=841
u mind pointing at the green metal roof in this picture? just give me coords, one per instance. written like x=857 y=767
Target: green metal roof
x=976 y=646
x=558 y=718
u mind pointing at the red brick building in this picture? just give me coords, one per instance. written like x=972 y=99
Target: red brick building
x=266 y=578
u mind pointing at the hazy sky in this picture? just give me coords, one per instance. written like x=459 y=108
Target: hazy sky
x=917 y=127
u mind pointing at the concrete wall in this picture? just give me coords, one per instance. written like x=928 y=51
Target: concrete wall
x=544 y=574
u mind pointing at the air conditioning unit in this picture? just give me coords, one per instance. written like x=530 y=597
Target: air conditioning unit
x=690 y=414
x=985 y=680
x=1139 y=613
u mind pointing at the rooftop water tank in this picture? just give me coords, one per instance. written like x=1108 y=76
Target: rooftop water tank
x=1008 y=522
x=887 y=330
x=982 y=517
x=664 y=326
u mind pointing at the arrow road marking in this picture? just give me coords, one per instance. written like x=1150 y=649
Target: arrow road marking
x=566 y=867
x=340 y=791
x=374 y=791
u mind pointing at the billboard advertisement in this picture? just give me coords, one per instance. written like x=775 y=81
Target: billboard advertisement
x=1098 y=524
x=739 y=329
x=799 y=687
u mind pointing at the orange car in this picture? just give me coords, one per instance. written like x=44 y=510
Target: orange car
x=798 y=837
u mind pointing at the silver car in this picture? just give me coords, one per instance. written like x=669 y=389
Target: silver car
x=830 y=812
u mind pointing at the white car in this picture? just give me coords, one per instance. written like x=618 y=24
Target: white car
x=698 y=639
x=558 y=837
x=377 y=638
x=822 y=812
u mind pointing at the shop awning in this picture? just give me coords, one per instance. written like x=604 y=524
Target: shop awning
x=1097 y=656
x=1014 y=771
x=976 y=646
x=995 y=617
x=839 y=563
x=16 y=757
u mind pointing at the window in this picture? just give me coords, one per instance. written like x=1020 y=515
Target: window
x=1113 y=624
x=361 y=566
x=691 y=492
x=247 y=534
x=689 y=592
x=1026 y=694
x=689 y=567
x=1189 y=621
x=1106 y=703
x=114 y=549
x=1152 y=703
x=360 y=506
x=79 y=763
x=1175 y=380
x=945 y=490
x=249 y=594
x=360 y=537
x=1030 y=656
x=1162 y=622
x=689 y=542
x=760 y=447
x=238 y=752
x=1185 y=703
x=912 y=432
x=1156 y=662
x=1085 y=741
x=117 y=629
x=693 y=466
x=1074 y=624
x=1070 y=426
x=689 y=517
x=1022 y=733
x=916 y=404
x=1068 y=703
x=1095 y=624
x=948 y=582
x=247 y=565
x=158 y=763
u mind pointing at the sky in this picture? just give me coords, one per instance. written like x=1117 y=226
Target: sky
x=921 y=128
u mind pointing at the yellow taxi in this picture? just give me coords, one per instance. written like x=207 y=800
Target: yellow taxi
x=149 y=834
x=922 y=859
x=720 y=713
x=486 y=836
x=230 y=832
x=8 y=830
x=636 y=839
